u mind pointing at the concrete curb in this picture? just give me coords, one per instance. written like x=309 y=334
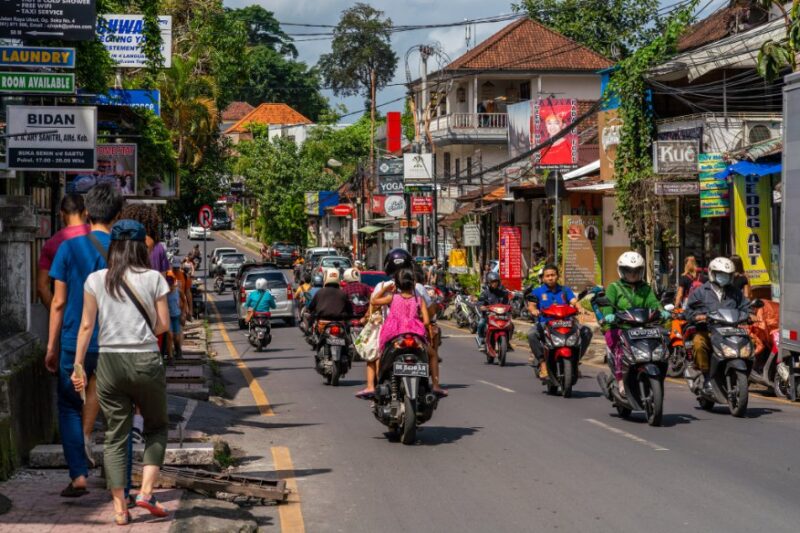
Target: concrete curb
x=195 y=454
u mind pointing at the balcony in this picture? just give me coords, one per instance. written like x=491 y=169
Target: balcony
x=470 y=128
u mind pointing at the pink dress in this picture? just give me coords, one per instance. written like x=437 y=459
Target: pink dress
x=403 y=317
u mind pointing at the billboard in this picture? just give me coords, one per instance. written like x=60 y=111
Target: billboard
x=752 y=237
x=116 y=164
x=519 y=128
x=511 y=257
x=550 y=117
x=69 y=20
x=582 y=243
x=123 y=37
x=141 y=98
x=417 y=168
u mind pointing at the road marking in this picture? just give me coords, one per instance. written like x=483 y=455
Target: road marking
x=290 y=513
x=188 y=411
x=629 y=436
x=258 y=393
x=496 y=386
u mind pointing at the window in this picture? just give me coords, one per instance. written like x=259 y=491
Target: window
x=458 y=169
x=525 y=90
x=469 y=170
x=447 y=165
x=275 y=280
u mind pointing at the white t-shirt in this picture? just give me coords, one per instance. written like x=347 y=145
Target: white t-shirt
x=122 y=326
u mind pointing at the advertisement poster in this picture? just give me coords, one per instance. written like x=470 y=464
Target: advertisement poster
x=714 y=192
x=421 y=205
x=582 y=251
x=123 y=37
x=116 y=164
x=458 y=261
x=519 y=127
x=69 y=20
x=752 y=235
x=139 y=98
x=511 y=257
x=550 y=117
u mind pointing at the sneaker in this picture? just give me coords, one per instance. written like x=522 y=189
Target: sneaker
x=136 y=436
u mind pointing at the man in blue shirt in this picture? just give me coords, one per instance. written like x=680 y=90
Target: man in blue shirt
x=542 y=297
x=75 y=260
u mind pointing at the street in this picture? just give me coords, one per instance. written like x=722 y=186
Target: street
x=501 y=455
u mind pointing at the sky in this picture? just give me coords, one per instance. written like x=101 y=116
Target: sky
x=402 y=12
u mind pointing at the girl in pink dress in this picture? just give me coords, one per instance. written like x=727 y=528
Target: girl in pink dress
x=407 y=313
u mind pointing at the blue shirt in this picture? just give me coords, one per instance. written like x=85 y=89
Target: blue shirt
x=546 y=297
x=267 y=302
x=174 y=302
x=75 y=260
x=310 y=295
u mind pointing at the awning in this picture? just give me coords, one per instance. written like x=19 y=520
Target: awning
x=583 y=171
x=370 y=229
x=746 y=168
x=146 y=201
x=594 y=187
x=759 y=150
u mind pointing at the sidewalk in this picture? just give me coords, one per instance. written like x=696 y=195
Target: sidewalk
x=248 y=242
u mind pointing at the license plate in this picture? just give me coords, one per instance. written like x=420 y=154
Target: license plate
x=335 y=341
x=731 y=332
x=561 y=323
x=644 y=333
x=416 y=370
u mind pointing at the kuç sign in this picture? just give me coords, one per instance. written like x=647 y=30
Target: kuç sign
x=123 y=37
x=417 y=168
x=70 y=20
x=55 y=138
x=395 y=206
x=675 y=157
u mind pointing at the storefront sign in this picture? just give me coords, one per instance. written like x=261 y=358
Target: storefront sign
x=116 y=164
x=610 y=126
x=395 y=206
x=318 y=201
x=141 y=98
x=377 y=205
x=714 y=192
x=390 y=184
x=752 y=226
x=715 y=212
x=581 y=259
x=390 y=167
x=36 y=56
x=421 y=205
x=391 y=235
x=675 y=157
x=123 y=37
x=417 y=168
x=36 y=83
x=511 y=257
x=677 y=188
x=56 y=138
x=405 y=223
x=458 y=261
x=472 y=235
x=70 y=20
x=341 y=210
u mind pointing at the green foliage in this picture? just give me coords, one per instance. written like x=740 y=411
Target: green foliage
x=156 y=155
x=776 y=56
x=361 y=46
x=603 y=26
x=263 y=29
x=408 y=121
x=471 y=283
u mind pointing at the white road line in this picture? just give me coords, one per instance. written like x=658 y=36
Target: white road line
x=496 y=386
x=629 y=436
x=188 y=411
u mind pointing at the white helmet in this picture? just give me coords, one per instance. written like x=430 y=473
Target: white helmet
x=331 y=276
x=261 y=284
x=720 y=271
x=352 y=275
x=630 y=267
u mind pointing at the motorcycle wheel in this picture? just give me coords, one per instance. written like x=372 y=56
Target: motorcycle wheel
x=242 y=325
x=623 y=412
x=335 y=375
x=738 y=402
x=409 y=433
x=566 y=385
x=654 y=402
x=705 y=404
x=677 y=362
x=552 y=390
x=502 y=348
x=780 y=387
x=321 y=359
x=220 y=289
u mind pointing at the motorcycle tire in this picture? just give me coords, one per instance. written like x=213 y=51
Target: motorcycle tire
x=220 y=289
x=569 y=372
x=705 y=404
x=291 y=322
x=502 y=349
x=677 y=362
x=780 y=387
x=623 y=412
x=654 y=405
x=552 y=390
x=242 y=325
x=409 y=428
x=738 y=406
x=335 y=375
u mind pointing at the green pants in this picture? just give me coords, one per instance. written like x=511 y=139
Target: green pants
x=125 y=380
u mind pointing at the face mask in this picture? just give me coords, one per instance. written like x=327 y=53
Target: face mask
x=723 y=279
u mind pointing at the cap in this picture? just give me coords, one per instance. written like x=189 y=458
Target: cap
x=176 y=262
x=127 y=230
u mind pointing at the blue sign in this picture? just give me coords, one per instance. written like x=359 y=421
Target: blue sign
x=36 y=56
x=327 y=199
x=128 y=97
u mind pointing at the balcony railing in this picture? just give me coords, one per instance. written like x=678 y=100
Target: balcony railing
x=470 y=121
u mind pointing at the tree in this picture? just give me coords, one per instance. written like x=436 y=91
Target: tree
x=608 y=27
x=776 y=56
x=263 y=29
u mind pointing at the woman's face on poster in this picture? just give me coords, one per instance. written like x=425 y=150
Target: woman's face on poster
x=553 y=124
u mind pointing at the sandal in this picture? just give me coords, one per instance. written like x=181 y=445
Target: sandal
x=73 y=492
x=151 y=505
x=441 y=393
x=365 y=394
x=122 y=519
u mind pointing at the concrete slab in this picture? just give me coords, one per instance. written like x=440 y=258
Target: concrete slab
x=194 y=454
x=196 y=391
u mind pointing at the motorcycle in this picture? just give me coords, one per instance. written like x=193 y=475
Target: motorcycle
x=519 y=305
x=404 y=397
x=474 y=314
x=680 y=345
x=561 y=349
x=462 y=310
x=259 y=333
x=644 y=365
x=333 y=355
x=730 y=363
x=198 y=301
x=499 y=330
x=219 y=284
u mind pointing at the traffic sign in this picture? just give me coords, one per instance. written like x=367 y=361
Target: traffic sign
x=206 y=216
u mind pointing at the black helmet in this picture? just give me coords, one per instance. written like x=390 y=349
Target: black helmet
x=492 y=276
x=397 y=259
x=317 y=280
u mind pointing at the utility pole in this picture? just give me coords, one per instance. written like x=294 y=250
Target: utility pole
x=555 y=222
x=425 y=53
x=367 y=196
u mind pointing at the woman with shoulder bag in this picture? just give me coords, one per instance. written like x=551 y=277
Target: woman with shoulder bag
x=129 y=302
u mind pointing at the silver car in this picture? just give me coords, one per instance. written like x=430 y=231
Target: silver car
x=278 y=285
x=231 y=263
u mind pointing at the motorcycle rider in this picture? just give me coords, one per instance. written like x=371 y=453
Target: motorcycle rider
x=541 y=298
x=629 y=292
x=302 y=289
x=493 y=293
x=355 y=288
x=717 y=293
x=330 y=302
x=259 y=301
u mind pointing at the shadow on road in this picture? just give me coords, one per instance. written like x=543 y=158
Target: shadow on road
x=434 y=435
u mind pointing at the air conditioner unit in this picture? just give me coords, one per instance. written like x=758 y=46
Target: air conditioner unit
x=759 y=131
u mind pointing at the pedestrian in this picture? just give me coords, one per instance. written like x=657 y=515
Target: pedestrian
x=689 y=280
x=740 y=280
x=184 y=282
x=147 y=215
x=537 y=253
x=129 y=302
x=178 y=309
x=264 y=252
x=73 y=218
x=75 y=260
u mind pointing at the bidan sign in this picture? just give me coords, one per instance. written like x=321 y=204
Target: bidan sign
x=675 y=157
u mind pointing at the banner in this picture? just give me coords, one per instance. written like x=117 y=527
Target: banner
x=581 y=259
x=141 y=98
x=511 y=257
x=519 y=127
x=752 y=235
x=714 y=192
x=550 y=117
x=458 y=261
x=123 y=37
x=421 y=205
x=116 y=164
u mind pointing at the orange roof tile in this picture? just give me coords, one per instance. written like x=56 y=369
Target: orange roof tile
x=528 y=45
x=235 y=111
x=269 y=114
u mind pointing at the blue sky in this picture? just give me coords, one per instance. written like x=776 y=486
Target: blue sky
x=402 y=12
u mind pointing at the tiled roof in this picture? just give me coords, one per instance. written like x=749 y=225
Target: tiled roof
x=528 y=45
x=269 y=114
x=722 y=23
x=235 y=111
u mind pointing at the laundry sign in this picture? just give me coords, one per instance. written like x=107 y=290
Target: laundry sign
x=675 y=157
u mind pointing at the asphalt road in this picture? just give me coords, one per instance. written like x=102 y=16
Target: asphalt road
x=501 y=455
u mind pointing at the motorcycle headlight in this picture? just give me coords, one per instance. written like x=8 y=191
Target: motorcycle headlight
x=558 y=340
x=659 y=353
x=573 y=339
x=730 y=351
x=746 y=350
x=640 y=355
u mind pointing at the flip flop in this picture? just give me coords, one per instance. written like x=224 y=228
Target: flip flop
x=151 y=505
x=122 y=519
x=441 y=393
x=73 y=492
x=365 y=394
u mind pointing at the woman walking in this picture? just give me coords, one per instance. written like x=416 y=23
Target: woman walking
x=129 y=302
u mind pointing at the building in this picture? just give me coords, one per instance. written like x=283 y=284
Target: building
x=233 y=114
x=265 y=115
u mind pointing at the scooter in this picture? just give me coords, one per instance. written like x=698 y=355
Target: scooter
x=680 y=346
x=461 y=310
x=219 y=284
x=562 y=349
x=259 y=334
x=333 y=356
x=499 y=330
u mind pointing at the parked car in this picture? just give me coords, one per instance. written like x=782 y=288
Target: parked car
x=333 y=261
x=197 y=231
x=231 y=263
x=277 y=284
x=216 y=252
x=283 y=253
x=313 y=255
x=221 y=220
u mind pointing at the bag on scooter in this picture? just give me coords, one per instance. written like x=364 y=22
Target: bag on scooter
x=367 y=343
